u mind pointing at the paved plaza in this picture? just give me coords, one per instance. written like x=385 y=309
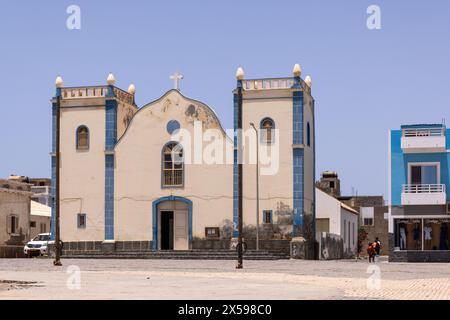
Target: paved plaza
x=215 y=279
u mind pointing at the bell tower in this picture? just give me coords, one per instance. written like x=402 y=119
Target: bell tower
x=281 y=110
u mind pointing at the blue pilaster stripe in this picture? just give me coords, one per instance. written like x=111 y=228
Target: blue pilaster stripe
x=298 y=156
x=298 y=177
x=109 y=197
x=297 y=117
x=111 y=124
x=110 y=141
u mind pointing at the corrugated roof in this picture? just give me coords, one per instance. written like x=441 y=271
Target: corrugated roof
x=39 y=209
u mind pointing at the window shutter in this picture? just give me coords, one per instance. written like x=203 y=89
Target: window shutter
x=17 y=223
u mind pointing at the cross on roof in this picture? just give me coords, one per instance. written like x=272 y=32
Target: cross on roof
x=176 y=77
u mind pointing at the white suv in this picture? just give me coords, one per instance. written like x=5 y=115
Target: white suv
x=38 y=246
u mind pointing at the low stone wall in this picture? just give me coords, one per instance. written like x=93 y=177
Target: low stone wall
x=81 y=247
x=211 y=244
x=11 y=252
x=97 y=247
x=419 y=256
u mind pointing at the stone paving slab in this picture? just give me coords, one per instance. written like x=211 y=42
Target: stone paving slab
x=212 y=279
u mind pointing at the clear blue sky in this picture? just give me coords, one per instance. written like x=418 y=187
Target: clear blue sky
x=364 y=81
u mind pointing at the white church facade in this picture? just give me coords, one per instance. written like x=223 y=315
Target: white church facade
x=165 y=176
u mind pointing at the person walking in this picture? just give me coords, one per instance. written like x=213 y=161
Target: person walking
x=371 y=251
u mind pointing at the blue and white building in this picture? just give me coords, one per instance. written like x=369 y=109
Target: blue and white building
x=418 y=191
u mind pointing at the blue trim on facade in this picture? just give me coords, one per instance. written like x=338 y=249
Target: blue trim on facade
x=109 y=197
x=155 y=218
x=447 y=141
x=110 y=141
x=298 y=178
x=111 y=124
x=297 y=117
x=411 y=126
x=298 y=156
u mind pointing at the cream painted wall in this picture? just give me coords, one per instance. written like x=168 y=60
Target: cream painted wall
x=39 y=219
x=138 y=171
x=124 y=114
x=14 y=203
x=328 y=207
x=273 y=188
x=82 y=173
x=309 y=183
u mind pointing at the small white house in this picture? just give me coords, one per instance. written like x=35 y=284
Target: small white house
x=335 y=217
x=39 y=218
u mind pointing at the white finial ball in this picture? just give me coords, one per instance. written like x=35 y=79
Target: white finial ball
x=131 y=89
x=308 y=81
x=111 y=80
x=59 y=82
x=297 y=71
x=240 y=73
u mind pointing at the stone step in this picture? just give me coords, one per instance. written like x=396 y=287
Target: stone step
x=174 y=257
x=194 y=254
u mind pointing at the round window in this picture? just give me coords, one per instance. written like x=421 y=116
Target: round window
x=172 y=125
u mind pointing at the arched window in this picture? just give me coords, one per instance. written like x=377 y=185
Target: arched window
x=172 y=165
x=267 y=130
x=308 y=135
x=82 y=138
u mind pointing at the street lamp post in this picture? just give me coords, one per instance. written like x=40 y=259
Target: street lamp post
x=57 y=261
x=257 y=185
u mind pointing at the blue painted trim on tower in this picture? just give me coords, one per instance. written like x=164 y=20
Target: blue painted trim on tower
x=298 y=177
x=109 y=197
x=298 y=156
x=155 y=218
x=111 y=124
x=297 y=117
x=110 y=141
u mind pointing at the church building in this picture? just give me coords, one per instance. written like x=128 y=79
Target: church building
x=165 y=176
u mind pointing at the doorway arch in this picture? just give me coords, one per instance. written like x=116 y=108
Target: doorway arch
x=156 y=222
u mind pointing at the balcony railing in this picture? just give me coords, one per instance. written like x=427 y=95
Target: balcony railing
x=268 y=84
x=423 y=194
x=423 y=132
x=423 y=188
x=84 y=92
x=423 y=140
